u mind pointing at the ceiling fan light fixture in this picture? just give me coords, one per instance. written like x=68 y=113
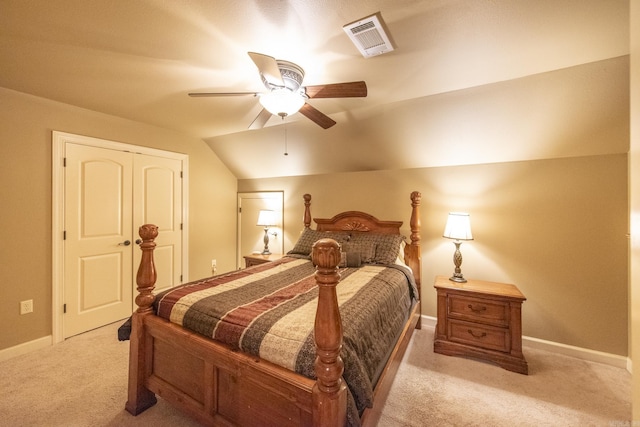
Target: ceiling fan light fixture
x=282 y=102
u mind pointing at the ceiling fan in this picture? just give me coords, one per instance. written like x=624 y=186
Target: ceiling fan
x=285 y=94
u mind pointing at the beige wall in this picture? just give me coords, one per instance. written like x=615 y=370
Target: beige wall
x=634 y=202
x=556 y=228
x=26 y=124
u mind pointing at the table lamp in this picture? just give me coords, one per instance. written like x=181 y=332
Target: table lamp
x=266 y=219
x=458 y=228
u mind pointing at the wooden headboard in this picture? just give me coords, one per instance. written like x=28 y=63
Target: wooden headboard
x=364 y=222
x=361 y=221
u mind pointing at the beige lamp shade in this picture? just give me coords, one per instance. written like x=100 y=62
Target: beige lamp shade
x=458 y=226
x=266 y=218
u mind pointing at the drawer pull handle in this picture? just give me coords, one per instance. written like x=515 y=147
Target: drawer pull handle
x=482 y=335
x=477 y=309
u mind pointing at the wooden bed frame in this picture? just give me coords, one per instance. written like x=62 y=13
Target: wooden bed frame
x=219 y=386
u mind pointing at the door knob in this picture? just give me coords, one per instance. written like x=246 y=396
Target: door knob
x=138 y=241
x=125 y=243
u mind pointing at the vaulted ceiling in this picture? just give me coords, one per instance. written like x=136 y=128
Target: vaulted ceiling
x=460 y=86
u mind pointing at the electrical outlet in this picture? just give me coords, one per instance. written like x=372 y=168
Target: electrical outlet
x=214 y=266
x=26 y=306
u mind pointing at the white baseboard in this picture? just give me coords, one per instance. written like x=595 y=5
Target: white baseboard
x=564 y=349
x=429 y=321
x=25 y=348
x=578 y=352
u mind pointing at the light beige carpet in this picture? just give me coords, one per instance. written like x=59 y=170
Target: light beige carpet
x=83 y=382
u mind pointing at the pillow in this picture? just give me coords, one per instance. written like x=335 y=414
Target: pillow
x=309 y=237
x=387 y=246
x=400 y=259
x=366 y=251
x=349 y=259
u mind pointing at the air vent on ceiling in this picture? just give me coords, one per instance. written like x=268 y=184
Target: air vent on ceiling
x=369 y=36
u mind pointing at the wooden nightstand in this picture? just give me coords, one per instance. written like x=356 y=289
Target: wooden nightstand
x=257 y=259
x=480 y=320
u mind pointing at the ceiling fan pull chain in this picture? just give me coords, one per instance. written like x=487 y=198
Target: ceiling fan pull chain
x=285 y=136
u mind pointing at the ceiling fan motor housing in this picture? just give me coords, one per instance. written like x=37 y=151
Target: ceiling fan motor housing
x=292 y=75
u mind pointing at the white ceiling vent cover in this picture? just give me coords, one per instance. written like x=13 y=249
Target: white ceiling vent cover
x=369 y=36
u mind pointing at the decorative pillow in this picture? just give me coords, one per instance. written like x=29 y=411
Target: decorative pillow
x=387 y=246
x=365 y=250
x=309 y=237
x=349 y=259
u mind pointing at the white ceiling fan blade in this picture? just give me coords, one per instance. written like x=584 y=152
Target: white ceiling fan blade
x=268 y=68
x=206 y=94
x=261 y=120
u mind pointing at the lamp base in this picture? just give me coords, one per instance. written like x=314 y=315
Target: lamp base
x=266 y=250
x=457 y=261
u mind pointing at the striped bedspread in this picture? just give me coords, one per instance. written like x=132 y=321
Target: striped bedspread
x=269 y=311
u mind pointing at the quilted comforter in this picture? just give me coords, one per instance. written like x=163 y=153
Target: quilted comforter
x=269 y=311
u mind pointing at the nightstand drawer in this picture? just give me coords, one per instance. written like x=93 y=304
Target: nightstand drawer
x=485 y=336
x=479 y=309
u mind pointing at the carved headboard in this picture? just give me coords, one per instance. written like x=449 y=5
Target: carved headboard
x=357 y=221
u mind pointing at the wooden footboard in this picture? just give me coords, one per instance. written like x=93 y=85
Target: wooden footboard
x=217 y=385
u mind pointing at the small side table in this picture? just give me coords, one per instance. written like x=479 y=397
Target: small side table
x=481 y=320
x=250 y=260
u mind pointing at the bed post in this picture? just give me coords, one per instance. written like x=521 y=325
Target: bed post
x=307 y=212
x=414 y=247
x=329 y=394
x=140 y=398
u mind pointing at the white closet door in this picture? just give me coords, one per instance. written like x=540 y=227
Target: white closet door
x=157 y=188
x=109 y=194
x=98 y=279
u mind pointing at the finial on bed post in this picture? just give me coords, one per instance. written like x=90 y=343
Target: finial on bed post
x=330 y=391
x=307 y=212
x=146 y=278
